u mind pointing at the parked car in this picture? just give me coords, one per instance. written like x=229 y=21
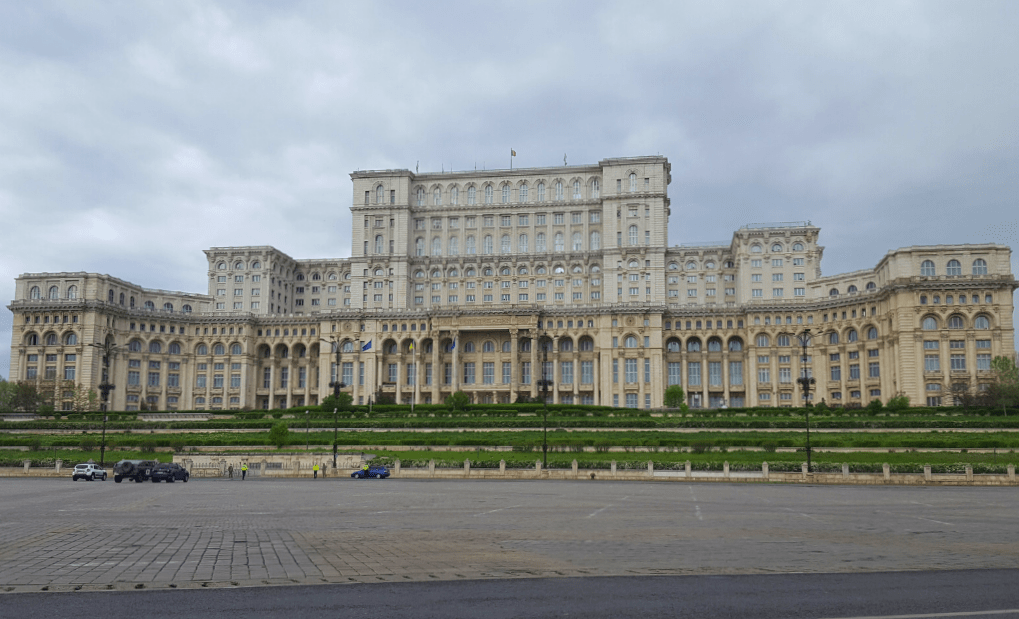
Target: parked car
x=169 y=472
x=377 y=472
x=136 y=470
x=89 y=471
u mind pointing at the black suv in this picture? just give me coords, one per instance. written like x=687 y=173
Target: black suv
x=169 y=472
x=136 y=470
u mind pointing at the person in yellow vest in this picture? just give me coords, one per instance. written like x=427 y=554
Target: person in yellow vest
x=244 y=470
x=314 y=470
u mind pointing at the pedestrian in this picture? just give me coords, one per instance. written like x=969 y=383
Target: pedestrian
x=244 y=470
x=314 y=470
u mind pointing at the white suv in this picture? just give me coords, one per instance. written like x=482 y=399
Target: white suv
x=89 y=471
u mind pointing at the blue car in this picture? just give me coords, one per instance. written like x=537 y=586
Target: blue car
x=378 y=472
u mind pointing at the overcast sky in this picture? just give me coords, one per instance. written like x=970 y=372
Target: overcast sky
x=134 y=135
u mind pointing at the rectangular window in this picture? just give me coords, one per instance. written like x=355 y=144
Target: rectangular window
x=984 y=344
x=587 y=372
x=615 y=370
x=507 y=373
x=411 y=374
x=764 y=374
x=235 y=381
x=392 y=372
x=675 y=373
x=983 y=361
x=217 y=381
x=785 y=375
x=347 y=373
x=931 y=363
x=566 y=372
x=488 y=373
x=525 y=373
x=693 y=373
x=631 y=400
x=735 y=373
x=153 y=379
x=854 y=371
x=469 y=373
x=874 y=370
x=714 y=373
x=836 y=372
x=647 y=370
x=631 y=370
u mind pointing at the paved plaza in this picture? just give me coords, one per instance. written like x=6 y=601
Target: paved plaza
x=57 y=535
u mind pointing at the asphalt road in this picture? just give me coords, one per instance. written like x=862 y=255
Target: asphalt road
x=468 y=545
x=978 y=594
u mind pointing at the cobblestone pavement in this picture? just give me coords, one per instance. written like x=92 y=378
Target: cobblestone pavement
x=59 y=535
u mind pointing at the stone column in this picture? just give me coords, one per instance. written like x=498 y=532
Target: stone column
x=575 y=467
x=887 y=470
x=764 y=469
x=396 y=467
x=688 y=468
x=927 y=472
x=845 y=470
x=502 y=467
x=27 y=464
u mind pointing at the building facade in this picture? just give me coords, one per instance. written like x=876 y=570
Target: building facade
x=490 y=281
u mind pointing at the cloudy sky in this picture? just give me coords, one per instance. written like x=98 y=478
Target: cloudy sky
x=134 y=135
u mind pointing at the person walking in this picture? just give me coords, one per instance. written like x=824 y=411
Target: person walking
x=244 y=470
x=314 y=470
x=230 y=471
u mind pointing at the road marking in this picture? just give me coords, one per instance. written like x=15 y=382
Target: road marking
x=598 y=511
x=800 y=513
x=697 y=512
x=497 y=510
x=973 y=613
x=917 y=517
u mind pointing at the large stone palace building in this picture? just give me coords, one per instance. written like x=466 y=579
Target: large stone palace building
x=488 y=281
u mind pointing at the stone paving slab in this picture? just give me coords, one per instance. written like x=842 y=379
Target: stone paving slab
x=56 y=535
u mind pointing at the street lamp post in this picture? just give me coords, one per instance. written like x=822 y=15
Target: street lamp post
x=108 y=349
x=544 y=383
x=805 y=382
x=336 y=385
x=334 y=438
x=307 y=431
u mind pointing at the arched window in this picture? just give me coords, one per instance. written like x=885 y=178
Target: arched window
x=872 y=333
x=776 y=248
x=454 y=246
x=121 y=298
x=472 y=195
x=506 y=193
x=454 y=195
x=256 y=265
x=955 y=322
x=436 y=246
x=714 y=345
x=202 y=350
x=586 y=344
x=109 y=297
x=419 y=246
x=541 y=192
x=691 y=266
x=32 y=339
x=558 y=243
x=134 y=346
x=979 y=267
x=504 y=244
x=735 y=345
x=852 y=336
x=486 y=244
x=578 y=242
x=632 y=235
x=72 y=293
x=633 y=182
x=523 y=193
x=168 y=307
x=763 y=341
x=283 y=352
x=834 y=292
x=559 y=191
x=469 y=347
x=595 y=241
x=923 y=299
x=954 y=268
x=693 y=345
x=470 y=248
x=525 y=345
x=420 y=196
x=852 y=288
x=630 y=342
x=155 y=347
x=131 y=303
x=782 y=340
x=54 y=293
x=437 y=197
x=797 y=246
x=219 y=349
x=522 y=243
x=51 y=339
x=833 y=338
x=379 y=244
x=871 y=286
x=539 y=242
x=235 y=349
x=175 y=348
x=507 y=346
x=186 y=308
x=379 y=195
x=149 y=305
x=927 y=268
x=982 y=322
x=504 y=271
x=930 y=323
x=672 y=345
x=221 y=266
x=522 y=271
x=565 y=345
x=595 y=188
x=576 y=190
x=488 y=346
x=488 y=194
x=70 y=339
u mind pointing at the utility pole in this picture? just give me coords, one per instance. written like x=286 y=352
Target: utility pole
x=108 y=349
